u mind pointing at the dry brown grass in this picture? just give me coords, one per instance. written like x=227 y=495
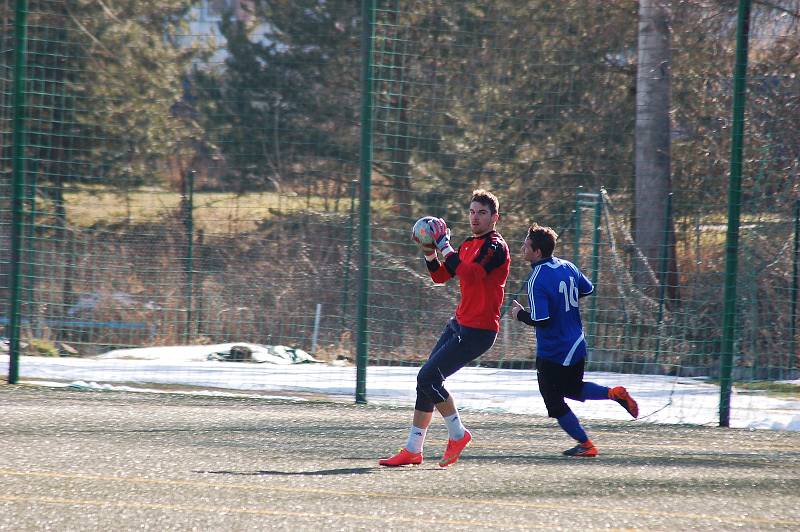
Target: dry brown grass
x=214 y=212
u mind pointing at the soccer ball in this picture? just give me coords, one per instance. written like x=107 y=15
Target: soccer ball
x=422 y=232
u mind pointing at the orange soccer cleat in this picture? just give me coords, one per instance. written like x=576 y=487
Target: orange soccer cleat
x=454 y=448
x=403 y=457
x=621 y=395
x=585 y=449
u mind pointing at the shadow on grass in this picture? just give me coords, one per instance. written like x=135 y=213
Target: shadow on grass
x=321 y=472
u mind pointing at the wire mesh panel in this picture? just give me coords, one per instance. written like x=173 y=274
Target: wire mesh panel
x=612 y=125
x=7 y=47
x=191 y=178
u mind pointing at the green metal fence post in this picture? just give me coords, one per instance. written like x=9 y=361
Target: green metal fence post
x=576 y=256
x=188 y=206
x=197 y=285
x=734 y=199
x=793 y=314
x=598 y=211
x=368 y=23
x=17 y=189
x=752 y=287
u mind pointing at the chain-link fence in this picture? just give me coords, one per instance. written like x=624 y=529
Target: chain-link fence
x=182 y=172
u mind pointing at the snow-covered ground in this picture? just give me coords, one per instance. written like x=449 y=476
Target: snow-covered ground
x=661 y=399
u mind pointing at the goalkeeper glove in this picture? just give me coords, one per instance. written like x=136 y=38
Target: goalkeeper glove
x=441 y=236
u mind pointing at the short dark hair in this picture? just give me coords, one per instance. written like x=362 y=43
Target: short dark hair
x=542 y=238
x=485 y=197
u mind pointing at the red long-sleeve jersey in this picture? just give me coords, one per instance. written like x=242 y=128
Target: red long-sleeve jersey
x=481 y=265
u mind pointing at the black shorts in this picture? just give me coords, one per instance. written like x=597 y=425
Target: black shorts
x=557 y=382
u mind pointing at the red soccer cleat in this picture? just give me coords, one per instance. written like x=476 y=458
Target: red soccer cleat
x=621 y=395
x=403 y=457
x=454 y=448
x=585 y=449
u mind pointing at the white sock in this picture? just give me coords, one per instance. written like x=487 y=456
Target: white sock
x=416 y=439
x=454 y=427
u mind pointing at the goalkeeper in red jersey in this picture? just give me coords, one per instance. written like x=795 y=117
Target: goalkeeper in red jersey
x=481 y=264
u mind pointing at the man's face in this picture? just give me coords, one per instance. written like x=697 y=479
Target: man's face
x=481 y=219
x=528 y=252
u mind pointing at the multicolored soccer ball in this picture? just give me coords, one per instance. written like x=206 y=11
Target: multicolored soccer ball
x=422 y=232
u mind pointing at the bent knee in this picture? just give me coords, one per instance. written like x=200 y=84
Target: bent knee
x=428 y=375
x=433 y=392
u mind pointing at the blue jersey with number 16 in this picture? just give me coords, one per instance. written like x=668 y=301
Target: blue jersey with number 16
x=554 y=287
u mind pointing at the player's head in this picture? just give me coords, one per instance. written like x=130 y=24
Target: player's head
x=483 y=211
x=539 y=238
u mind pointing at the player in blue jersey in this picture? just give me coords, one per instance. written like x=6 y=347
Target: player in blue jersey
x=554 y=289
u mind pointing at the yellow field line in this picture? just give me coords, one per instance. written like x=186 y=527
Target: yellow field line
x=399 y=496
